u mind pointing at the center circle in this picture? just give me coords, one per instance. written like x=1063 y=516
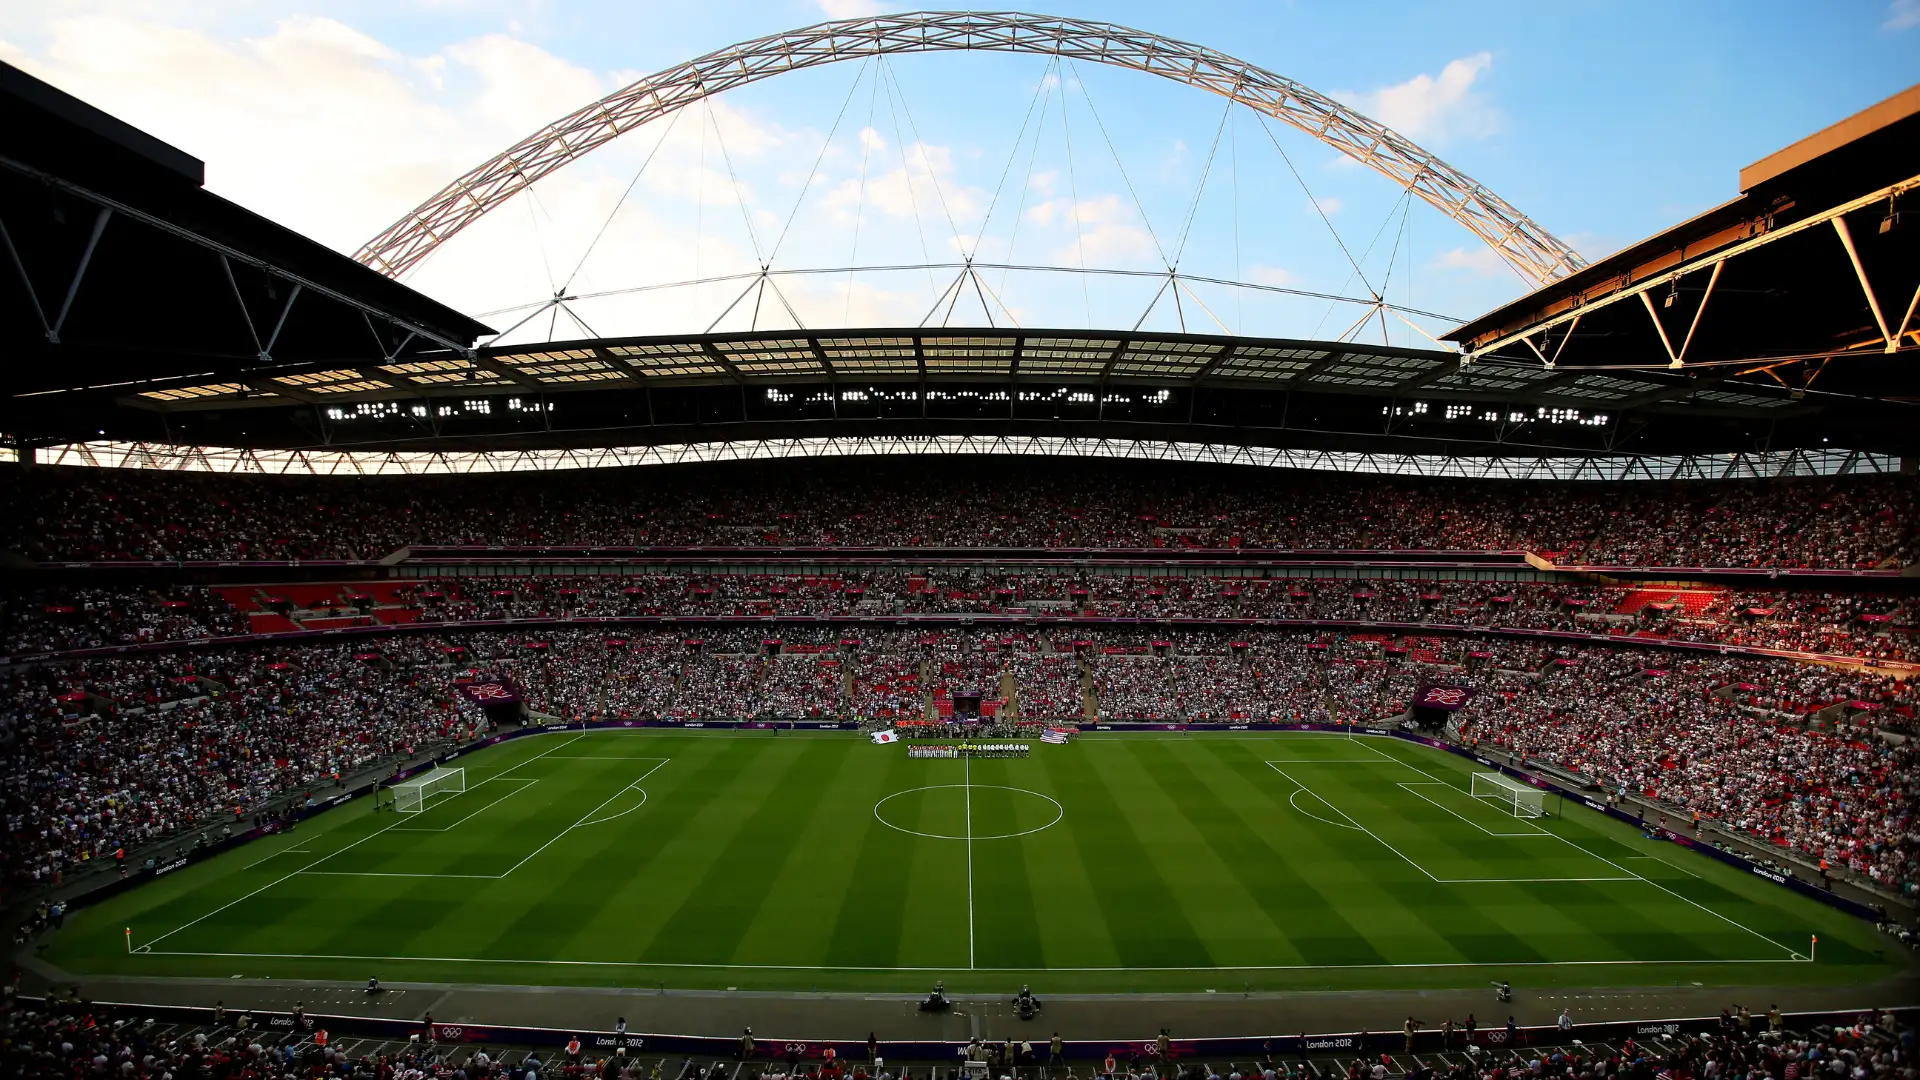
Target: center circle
x=1028 y=806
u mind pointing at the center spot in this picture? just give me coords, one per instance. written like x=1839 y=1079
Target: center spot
x=940 y=811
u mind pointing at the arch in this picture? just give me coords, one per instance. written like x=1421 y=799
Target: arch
x=1535 y=253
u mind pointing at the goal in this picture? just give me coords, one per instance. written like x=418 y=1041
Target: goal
x=410 y=796
x=1520 y=799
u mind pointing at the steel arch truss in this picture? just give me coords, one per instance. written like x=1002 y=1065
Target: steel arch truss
x=323 y=462
x=1536 y=254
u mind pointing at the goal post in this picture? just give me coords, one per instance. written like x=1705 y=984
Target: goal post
x=1520 y=799
x=412 y=796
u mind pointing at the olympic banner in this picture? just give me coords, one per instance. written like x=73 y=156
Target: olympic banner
x=491 y=691
x=1446 y=698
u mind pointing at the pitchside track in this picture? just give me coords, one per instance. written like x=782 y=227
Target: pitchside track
x=1129 y=862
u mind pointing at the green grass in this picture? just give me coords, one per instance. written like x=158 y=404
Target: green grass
x=1119 y=863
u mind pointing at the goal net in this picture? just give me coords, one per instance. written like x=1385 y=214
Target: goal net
x=411 y=796
x=1519 y=799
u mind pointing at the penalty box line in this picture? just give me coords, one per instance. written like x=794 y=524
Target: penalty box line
x=1634 y=875
x=284 y=877
x=1630 y=875
x=586 y=819
x=525 y=782
x=1414 y=789
x=1431 y=876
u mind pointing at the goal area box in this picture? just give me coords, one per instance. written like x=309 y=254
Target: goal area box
x=1520 y=799
x=411 y=796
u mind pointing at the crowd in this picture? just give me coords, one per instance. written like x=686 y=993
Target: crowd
x=89 y=617
x=1871 y=625
x=1867 y=625
x=109 y=755
x=1877 y=1047
x=114 y=755
x=1713 y=737
x=75 y=514
x=67 y=1038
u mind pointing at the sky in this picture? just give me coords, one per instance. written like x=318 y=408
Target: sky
x=1602 y=121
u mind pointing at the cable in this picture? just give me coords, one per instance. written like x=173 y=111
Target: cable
x=1233 y=157
x=1405 y=196
x=1206 y=171
x=699 y=210
x=1159 y=275
x=1392 y=255
x=914 y=127
x=860 y=207
x=539 y=238
x=1012 y=152
x=671 y=124
x=733 y=179
x=906 y=169
x=858 y=73
x=1026 y=182
x=1073 y=189
x=1128 y=180
x=1316 y=204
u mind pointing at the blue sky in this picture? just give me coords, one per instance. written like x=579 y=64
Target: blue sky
x=1603 y=121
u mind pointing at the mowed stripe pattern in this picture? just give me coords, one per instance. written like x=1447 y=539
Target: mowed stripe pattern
x=1138 y=853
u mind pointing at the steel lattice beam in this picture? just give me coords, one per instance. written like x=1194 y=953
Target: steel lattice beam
x=1528 y=248
x=335 y=462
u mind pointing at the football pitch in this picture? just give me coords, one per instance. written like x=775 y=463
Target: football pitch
x=1135 y=862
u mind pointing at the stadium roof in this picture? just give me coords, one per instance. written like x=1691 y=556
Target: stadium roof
x=147 y=310
x=1808 y=280
x=118 y=268
x=913 y=381
x=1013 y=357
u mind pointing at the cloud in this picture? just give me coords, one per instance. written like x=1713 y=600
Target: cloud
x=914 y=182
x=1271 y=275
x=1437 y=109
x=520 y=86
x=1103 y=230
x=1329 y=205
x=1593 y=246
x=1480 y=260
x=1903 y=15
x=1172 y=167
x=336 y=132
x=314 y=124
x=850 y=9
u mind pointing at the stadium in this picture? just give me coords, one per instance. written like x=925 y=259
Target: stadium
x=399 y=679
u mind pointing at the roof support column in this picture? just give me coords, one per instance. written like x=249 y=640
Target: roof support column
x=281 y=322
x=1912 y=305
x=26 y=282
x=1873 y=302
x=226 y=267
x=1712 y=280
x=1673 y=358
x=79 y=272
